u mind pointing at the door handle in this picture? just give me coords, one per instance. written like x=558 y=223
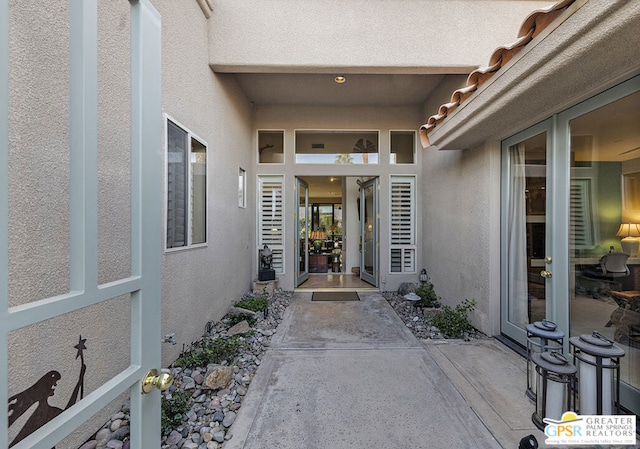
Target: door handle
x=546 y=274
x=152 y=379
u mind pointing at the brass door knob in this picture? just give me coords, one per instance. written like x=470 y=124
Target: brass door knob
x=152 y=379
x=546 y=274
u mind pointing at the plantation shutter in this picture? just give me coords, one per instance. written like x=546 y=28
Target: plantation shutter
x=582 y=219
x=270 y=217
x=176 y=186
x=402 y=238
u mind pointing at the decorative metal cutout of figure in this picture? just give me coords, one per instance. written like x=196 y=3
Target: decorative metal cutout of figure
x=39 y=393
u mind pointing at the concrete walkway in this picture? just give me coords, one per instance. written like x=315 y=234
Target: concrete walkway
x=351 y=375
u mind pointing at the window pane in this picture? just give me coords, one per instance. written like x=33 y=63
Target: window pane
x=337 y=147
x=198 y=192
x=176 y=186
x=271 y=147
x=242 y=183
x=402 y=147
x=604 y=155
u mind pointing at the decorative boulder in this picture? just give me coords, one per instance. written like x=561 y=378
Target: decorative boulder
x=217 y=377
x=407 y=287
x=241 y=328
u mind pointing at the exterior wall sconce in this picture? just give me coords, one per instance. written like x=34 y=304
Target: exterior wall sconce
x=423 y=276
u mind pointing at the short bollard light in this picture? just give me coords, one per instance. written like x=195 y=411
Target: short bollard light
x=556 y=380
x=598 y=362
x=528 y=442
x=542 y=336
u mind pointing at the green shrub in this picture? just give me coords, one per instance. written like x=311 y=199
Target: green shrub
x=239 y=317
x=453 y=323
x=428 y=296
x=254 y=303
x=206 y=351
x=174 y=408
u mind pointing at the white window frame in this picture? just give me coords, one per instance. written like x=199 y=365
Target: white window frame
x=190 y=136
x=277 y=221
x=407 y=246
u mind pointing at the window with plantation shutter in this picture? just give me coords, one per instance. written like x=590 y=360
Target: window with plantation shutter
x=402 y=227
x=270 y=217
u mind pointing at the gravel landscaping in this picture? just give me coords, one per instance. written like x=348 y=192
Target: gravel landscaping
x=213 y=394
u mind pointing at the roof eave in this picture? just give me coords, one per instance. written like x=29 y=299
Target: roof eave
x=534 y=84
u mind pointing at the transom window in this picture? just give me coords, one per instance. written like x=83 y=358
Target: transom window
x=337 y=147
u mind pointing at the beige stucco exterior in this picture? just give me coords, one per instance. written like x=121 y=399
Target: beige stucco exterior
x=204 y=43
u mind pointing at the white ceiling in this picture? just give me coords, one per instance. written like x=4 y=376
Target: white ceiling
x=322 y=90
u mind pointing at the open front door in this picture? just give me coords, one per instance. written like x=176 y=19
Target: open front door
x=369 y=231
x=302 y=232
x=45 y=333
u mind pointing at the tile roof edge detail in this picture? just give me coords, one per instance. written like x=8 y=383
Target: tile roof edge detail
x=531 y=27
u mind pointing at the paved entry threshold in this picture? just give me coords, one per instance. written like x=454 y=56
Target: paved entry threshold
x=350 y=375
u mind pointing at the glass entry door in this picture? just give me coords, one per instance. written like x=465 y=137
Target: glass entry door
x=369 y=231
x=302 y=232
x=525 y=290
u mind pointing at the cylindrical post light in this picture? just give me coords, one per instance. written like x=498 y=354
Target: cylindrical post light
x=598 y=362
x=556 y=379
x=542 y=336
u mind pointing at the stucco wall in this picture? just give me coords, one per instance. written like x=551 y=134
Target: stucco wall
x=201 y=284
x=307 y=35
x=460 y=221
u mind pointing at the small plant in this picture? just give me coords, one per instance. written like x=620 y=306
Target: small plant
x=206 y=351
x=453 y=323
x=174 y=408
x=237 y=318
x=428 y=296
x=254 y=303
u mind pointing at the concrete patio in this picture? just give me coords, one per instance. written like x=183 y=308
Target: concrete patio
x=351 y=375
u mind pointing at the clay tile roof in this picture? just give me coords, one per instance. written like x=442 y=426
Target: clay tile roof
x=532 y=26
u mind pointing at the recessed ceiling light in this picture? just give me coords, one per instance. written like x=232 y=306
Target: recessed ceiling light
x=340 y=79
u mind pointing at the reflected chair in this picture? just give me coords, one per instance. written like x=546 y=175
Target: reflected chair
x=612 y=265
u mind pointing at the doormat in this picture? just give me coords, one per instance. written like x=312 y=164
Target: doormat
x=335 y=296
